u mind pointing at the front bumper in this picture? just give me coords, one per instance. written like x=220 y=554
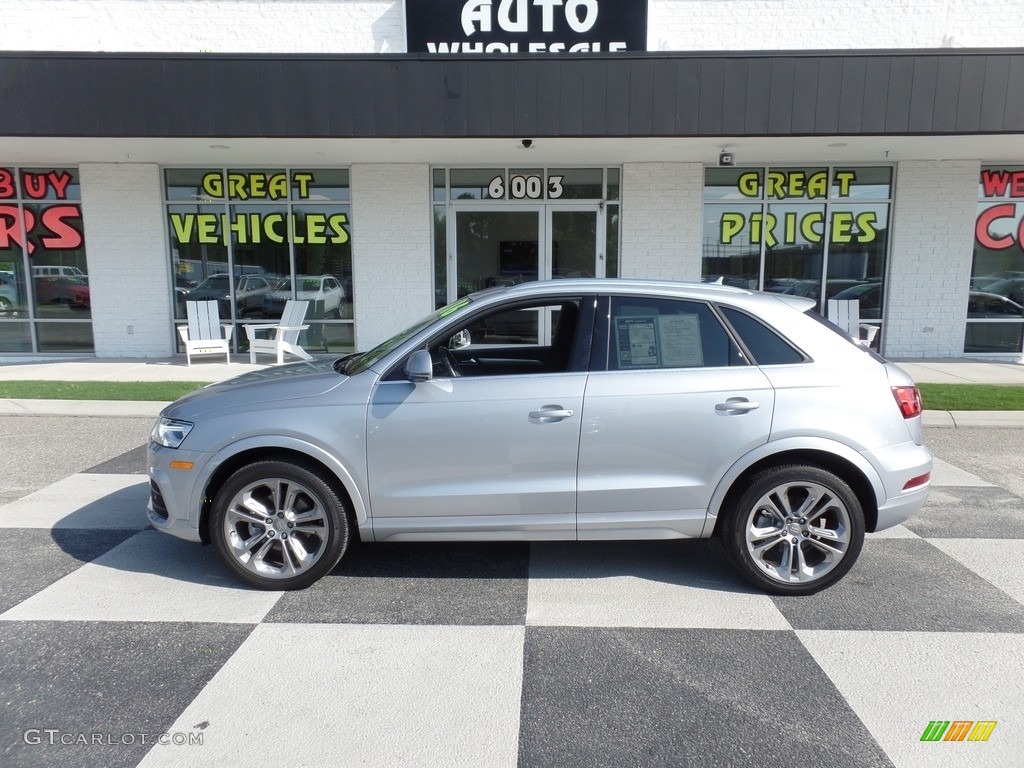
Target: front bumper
x=175 y=502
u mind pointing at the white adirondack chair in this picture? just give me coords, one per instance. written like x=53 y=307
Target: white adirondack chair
x=205 y=334
x=279 y=338
x=846 y=314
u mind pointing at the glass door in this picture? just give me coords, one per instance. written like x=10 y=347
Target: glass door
x=573 y=241
x=495 y=247
x=504 y=246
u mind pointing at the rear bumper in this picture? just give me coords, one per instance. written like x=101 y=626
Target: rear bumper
x=897 y=465
x=901 y=508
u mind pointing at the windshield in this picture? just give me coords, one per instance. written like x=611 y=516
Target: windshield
x=360 y=363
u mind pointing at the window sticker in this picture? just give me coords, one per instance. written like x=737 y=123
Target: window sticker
x=679 y=337
x=637 y=342
x=659 y=341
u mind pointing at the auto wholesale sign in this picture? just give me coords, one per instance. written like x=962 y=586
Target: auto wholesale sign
x=525 y=26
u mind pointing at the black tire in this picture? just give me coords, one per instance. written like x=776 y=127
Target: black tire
x=305 y=517
x=795 y=530
x=6 y=308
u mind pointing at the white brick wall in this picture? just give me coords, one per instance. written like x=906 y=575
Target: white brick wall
x=127 y=256
x=930 y=257
x=218 y=26
x=392 y=271
x=362 y=26
x=661 y=220
x=740 y=25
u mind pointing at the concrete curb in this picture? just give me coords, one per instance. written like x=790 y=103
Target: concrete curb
x=1008 y=419
x=101 y=408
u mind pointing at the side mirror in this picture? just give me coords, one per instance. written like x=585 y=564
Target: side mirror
x=419 y=366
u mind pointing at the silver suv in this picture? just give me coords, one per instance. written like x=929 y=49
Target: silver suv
x=568 y=409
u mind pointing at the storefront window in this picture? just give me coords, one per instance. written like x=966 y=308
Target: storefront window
x=45 y=304
x=995 y=299
x=252 y=239
x=817 y=232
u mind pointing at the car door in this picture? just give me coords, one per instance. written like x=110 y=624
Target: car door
x=670 y=405
x=489 y=453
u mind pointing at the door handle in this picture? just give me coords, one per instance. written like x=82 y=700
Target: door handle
x=551 y=413
x=739 y=405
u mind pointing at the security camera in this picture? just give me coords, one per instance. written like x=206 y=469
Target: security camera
x=527 y=143
x=726 y=159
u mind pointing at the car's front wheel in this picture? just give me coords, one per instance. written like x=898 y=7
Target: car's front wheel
x=280 y=524
x=794 y=530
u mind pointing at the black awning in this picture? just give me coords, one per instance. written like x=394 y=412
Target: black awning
x=932 y=92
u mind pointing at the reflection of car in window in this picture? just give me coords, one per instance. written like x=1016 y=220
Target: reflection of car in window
x=9 y=301
x=984 y=304
x=1011 y=288
x=72 y=291
x=325 y=288
x=53 y=270
x=870 y=297
x=249 y=293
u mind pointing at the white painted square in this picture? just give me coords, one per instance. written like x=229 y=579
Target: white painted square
x=896 y=532
x=82 y=501
x=998 y=561
x=643 y=585
x=944 y=473
x=149 y=577
x=898 y=682
x=366 y=695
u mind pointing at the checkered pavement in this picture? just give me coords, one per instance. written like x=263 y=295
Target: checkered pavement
x=545 y=654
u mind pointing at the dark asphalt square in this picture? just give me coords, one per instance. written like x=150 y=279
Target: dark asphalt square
x=473 y=583
x=906 y=585
x=969 y=513
x=661 y=697
x=105 y=690
x=37 y=557
x=131 y=462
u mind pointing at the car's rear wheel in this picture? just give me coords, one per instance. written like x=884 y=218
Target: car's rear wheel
x=6 y=308
x=795 y=530
x=279 y=524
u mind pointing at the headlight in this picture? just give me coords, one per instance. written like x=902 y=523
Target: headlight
x=170 y=432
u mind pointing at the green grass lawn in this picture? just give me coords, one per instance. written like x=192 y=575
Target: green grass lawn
x=972 y=397
x=936 y=397
x=97 y=390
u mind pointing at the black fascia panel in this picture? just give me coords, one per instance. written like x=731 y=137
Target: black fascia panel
x=804 y=93
x=922 y=104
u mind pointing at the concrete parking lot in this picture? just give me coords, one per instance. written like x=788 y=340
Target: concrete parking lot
x=121 y=646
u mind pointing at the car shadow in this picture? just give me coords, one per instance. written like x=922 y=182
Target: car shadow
x=132 y=545
x=689 y=563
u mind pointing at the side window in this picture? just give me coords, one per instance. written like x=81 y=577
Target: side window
x=522 y=339
x=667 y=333
x=766 y=346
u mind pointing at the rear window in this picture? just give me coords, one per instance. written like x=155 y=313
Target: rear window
x=667 y=333
x=765 y=345
x=844 y=335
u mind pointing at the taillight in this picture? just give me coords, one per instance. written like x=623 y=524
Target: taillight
x=909 y=401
